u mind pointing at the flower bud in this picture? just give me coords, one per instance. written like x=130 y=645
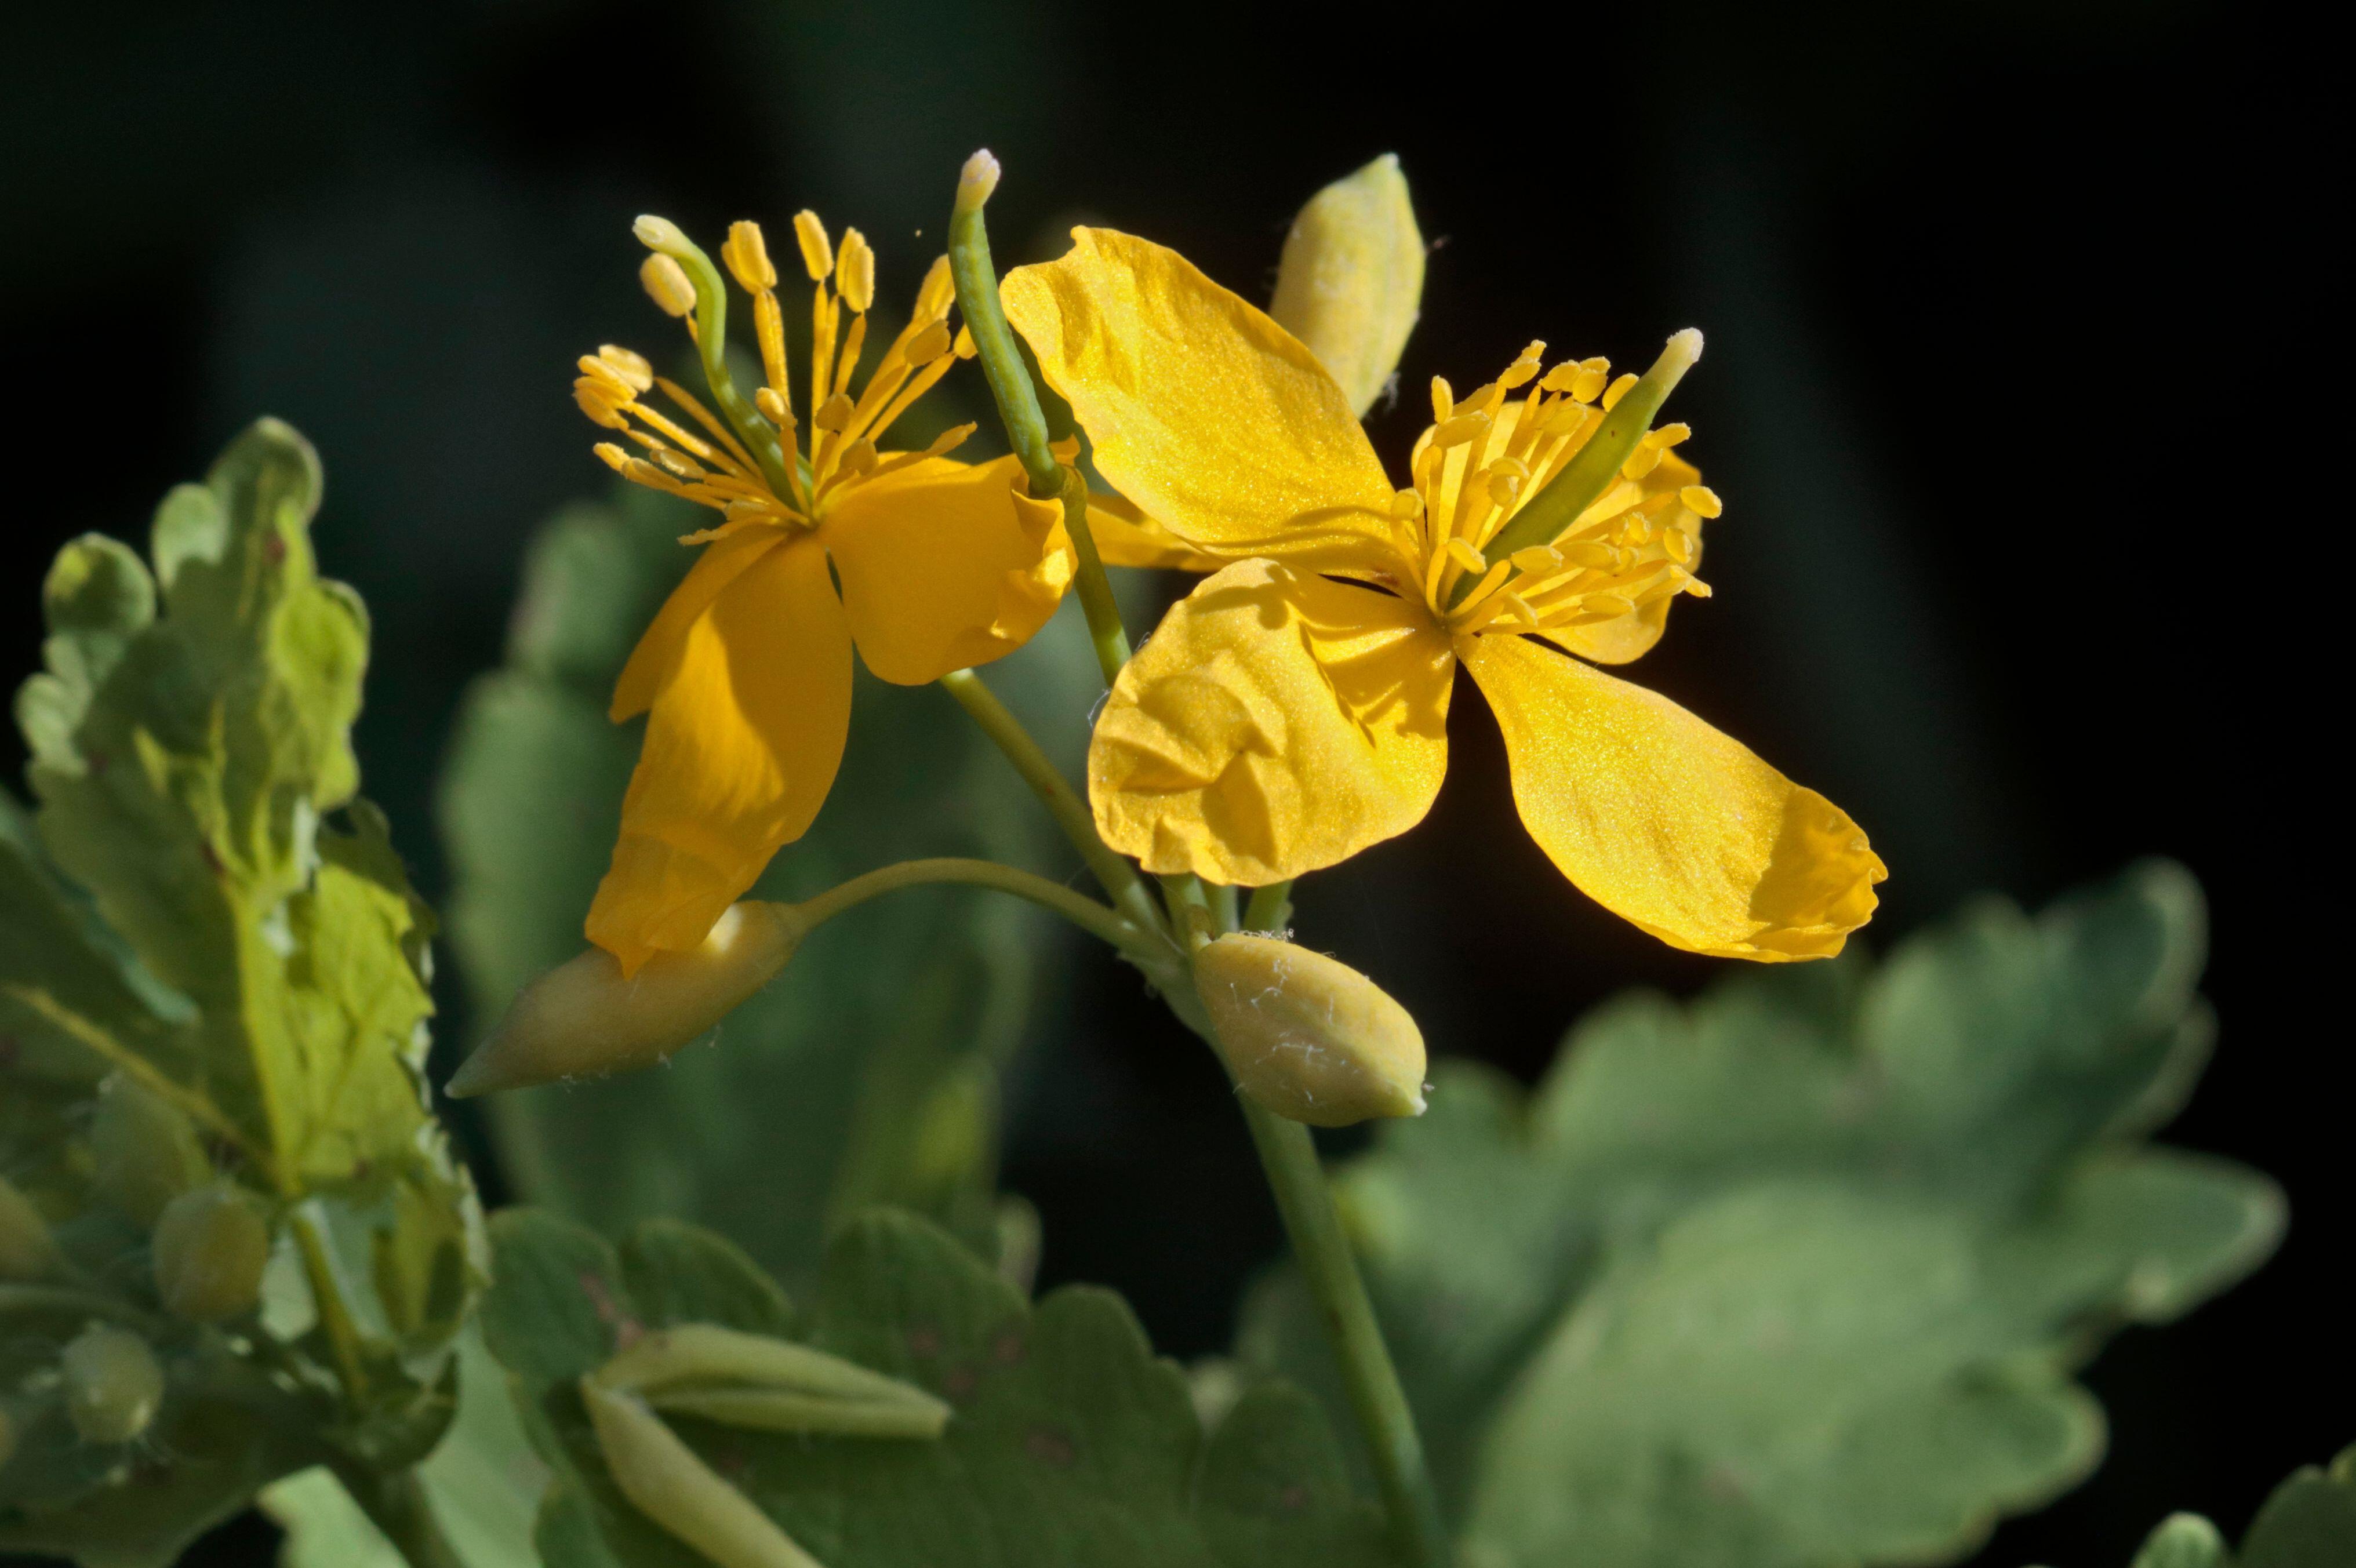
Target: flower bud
x=665 y=1481
x=1308 y=1037
x=210 y=1247
x=112 y=1382
x=28 y=1251
x=145 y=1151
x=751 y=1380
x=584 y=1019
x=1351 y=280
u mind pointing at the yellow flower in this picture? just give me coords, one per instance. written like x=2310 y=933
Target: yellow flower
x=746 y=670
x=1293 y=710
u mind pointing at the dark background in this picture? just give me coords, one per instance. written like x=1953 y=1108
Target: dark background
x=2015 y=320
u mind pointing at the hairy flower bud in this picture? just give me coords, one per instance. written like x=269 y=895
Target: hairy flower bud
x=210 y=1248
x=28 y=1251
x=145 y=1151
x=1350 y=281
x=583 y=1019
x=665 y=1481
x=112 y=1383
x=1308 y=1037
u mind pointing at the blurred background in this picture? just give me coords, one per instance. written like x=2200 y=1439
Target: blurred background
x=2010 y=306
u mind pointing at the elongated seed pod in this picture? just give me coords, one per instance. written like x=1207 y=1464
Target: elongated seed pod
x=28 y=1251
x=1307 y=1036
x=145 y=1151
x=210 y=1248
x=1350 y=281
x=584 y=1019
x=752 y=1380
x=113 y=1383
x=665 y=1481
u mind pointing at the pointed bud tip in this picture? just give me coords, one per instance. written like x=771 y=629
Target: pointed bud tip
x=976 y=181
x=1307 y=1036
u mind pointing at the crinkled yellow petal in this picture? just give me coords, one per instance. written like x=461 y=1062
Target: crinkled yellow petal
x=657 y=655
x=1201 y=410
x=1126 y=537
x=1666 y=822
x=1276 y=722
x=945 y=566
x=745 y=736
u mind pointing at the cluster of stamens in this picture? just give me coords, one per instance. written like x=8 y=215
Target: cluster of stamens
x=1486 y=453
x=758 y=472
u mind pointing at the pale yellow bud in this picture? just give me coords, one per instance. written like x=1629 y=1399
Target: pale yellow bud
x=1307 y=1036
x=145 y=1151
x=28 y=1251
x=210 y=1247
x=112 y=1383
x=583 y=1019
x=1351 y=280
x=665 y=1481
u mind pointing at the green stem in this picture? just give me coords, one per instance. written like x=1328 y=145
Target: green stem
x=1288 y=1156
x=1018 y=407
x=1117 y=876
x=396 y=1504
x=711 y=347
x=1082 y=911
x=1595 y=465
x=335 y=1313
x=1270 y=908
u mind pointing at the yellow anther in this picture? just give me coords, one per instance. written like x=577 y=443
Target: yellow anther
x=774 y=407
x=665 y=284
x=638 y=471
x=1588 y=384
x=928 y=344
x=1697 y=588
x=1524 y=370
x=1592 y=554
x=1641 y=462
x=1618 y=389
x=1636 y=529
x=1606 y=605
x=1561 y=379
x=613 y=456
x=747 y=255
x=677 y=465
x=1513 y=466
x=595 y=372
x=1668 y=435
x=834 y=414
x=1503 y=487
x=593 y=399
x=1679 y=545
x=1456 y=431
x=950 y=438
x=854 y=271
x=1406 y=505
x=818 y=251
x=633 y=368
x=963 y=348
x=1520 y=605
x=1464 y=555
x=1443 y=400
x=1701 y=501
x=859 y=457
x=1538 y=560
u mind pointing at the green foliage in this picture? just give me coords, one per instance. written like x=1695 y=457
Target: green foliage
x=1071 y=1445
x=2308 y=1523
x=870 y=1072
x=1797 y=1274
x=211 y=965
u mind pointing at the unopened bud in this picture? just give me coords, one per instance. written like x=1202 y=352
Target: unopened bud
x=665 y=1481
x=1307 y=1036
x=144 y=1149
x=210 y=1248
x=28 y=1251
x=112 y=1383
x=751 y=1380
x=1350 y=281
x=584 y=1018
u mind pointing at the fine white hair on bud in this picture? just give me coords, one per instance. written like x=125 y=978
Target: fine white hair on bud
x=1307 y=1036
x=584 y=1018
x=977 y=180
x=1350 y=283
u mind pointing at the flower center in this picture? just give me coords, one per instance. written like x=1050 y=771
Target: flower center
x=1486 y=455
x=700 y=458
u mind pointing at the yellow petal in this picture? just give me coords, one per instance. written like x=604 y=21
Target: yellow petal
x=946 y=566
x=1276 y=722
x=745 y=736
x=1627 y=637
x=1667 y=822
x=658 y=654
x=1201 y=410
x=1126 y=537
